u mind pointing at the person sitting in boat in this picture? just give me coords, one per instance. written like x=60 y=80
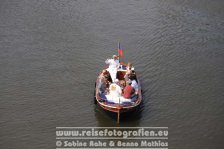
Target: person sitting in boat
x=107 y=76
x=134 y=84
x=128 y=90
x=133 y=75
x=115 y=89
x=128 y=72
x=113 y=67
x=129 y=67
x=103 y=84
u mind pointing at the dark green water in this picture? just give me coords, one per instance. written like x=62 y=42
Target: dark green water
x=52 y=50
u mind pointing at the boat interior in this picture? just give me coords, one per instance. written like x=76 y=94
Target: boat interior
x=120 y=76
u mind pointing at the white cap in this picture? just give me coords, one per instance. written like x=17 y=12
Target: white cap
x=116 y=80
x=114 y=56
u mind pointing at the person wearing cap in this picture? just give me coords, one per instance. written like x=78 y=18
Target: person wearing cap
x=115 y=89
x=113 y=67
x=128 y=90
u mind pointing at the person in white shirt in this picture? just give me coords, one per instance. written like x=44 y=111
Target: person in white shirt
x=134 y=84
x=113 y=67
x=115 y=89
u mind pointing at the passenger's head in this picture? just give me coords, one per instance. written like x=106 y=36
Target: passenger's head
x=104 y=71
x=114 y=57
x=129 y=65
x=116 y=81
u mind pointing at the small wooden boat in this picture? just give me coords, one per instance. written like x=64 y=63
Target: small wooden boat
x=121 y=106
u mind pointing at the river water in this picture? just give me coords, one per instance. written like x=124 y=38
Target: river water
x=52 y=50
